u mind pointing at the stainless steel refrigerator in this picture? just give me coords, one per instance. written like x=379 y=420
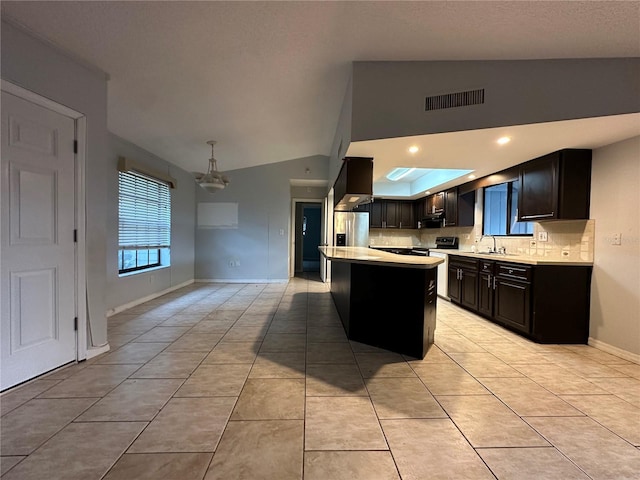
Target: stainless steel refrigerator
x=351 y=229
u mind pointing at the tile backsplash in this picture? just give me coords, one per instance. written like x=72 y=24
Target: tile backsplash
x=380 y=237
x=566 y=239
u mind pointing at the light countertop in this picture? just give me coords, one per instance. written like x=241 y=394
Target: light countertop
x=515 y=258
x=378 y=257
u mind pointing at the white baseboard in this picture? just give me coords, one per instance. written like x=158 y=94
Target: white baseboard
x=618 y=352
x=95 y=351
x=241 y=280
x=111 y=312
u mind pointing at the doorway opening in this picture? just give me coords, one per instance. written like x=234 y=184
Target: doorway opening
x=308 y=236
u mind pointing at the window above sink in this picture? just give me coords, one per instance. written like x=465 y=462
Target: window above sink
x=500 y=211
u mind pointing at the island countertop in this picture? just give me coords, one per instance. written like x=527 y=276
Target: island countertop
x=370 y=256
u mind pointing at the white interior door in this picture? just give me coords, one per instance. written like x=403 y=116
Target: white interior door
x=37 y=262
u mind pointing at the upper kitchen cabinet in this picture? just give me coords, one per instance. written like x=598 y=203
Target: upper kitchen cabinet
x=555 y=186
x=354 y=184
x=392 y=214
x=459 y=209
x=434 y=203
x=407 y=213
x=451 y=207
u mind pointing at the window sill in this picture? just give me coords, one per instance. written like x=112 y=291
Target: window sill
x=146 y=270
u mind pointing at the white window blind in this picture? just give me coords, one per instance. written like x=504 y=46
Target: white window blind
x=144 y=212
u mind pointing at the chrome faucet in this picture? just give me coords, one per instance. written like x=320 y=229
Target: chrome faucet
x=494 y=250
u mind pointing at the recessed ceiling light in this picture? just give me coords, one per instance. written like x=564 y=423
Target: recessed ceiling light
x=413 y=149
x=427 y=192
x=472 y=176
x=503 y=140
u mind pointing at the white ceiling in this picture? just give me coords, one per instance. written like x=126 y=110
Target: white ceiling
x=267 y=79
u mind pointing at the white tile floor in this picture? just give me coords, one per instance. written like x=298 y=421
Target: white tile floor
x=259 y=382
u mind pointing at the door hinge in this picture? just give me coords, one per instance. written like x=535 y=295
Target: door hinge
x=75 y=146
x=75 y=236
x=75 y=324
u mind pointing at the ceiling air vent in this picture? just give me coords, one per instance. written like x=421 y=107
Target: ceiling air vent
x=452 y=100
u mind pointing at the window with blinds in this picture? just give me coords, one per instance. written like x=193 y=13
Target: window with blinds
x=144 y=211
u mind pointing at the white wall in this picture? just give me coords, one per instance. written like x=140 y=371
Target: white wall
x=615 y=206
x=124 y=290
x=261 y=241
x=43 y=69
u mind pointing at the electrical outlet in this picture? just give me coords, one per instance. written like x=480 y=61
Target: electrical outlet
x=467 y=237
x=237 y=262
x=232 y=263
x=543 y=236
x=616 y=239
x=532 y=243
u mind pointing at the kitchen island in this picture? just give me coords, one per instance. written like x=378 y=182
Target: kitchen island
x=384 y=299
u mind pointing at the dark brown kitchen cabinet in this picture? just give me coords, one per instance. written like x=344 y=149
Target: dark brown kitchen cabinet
x=363 y=207
x=390 y=218
x=555 y=186
x=376 y=214
x=392 y=214
x=512 y=291
x=485 y=288
x=434 y=203
x=450 y=208
x=546 y=303
x=407 y=214
x=463 y=281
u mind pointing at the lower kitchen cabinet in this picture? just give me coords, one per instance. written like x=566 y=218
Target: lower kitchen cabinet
x=512 y=304
x=485 y=288
x=463 y=281
x=547 y=303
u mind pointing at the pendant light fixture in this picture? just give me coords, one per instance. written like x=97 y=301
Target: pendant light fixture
x=213 y=180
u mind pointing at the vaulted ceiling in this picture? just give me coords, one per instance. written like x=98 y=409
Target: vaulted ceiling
x=267 y=79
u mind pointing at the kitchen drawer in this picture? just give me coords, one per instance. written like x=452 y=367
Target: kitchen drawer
x=463 y=262
x=517 y=272
x=486 y=266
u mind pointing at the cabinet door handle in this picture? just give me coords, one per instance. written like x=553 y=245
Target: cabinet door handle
x=489 y=282
x=494 y=283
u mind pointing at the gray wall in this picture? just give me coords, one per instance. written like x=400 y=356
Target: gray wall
x=615 y=206
x=37 y=66
x=263 y=195
x=389 y=97
x=126 y=289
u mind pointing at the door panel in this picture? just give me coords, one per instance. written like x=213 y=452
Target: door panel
x=37 y=285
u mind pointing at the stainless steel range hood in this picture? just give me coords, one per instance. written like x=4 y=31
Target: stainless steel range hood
x=432 y=220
